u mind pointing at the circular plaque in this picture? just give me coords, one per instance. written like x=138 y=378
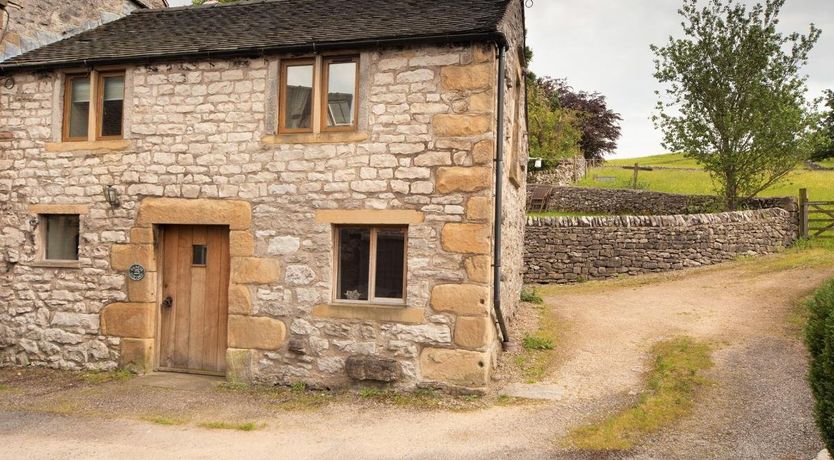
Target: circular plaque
x=136 y=272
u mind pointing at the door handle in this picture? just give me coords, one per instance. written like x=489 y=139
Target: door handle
x=168 y=302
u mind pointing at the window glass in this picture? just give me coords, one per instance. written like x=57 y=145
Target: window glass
x=390 y=257
x=79 y=109
x=298 y=110
x=200 y=254
x=341 y=94
x=61 y=237
x=354 y=257
x=112 y=105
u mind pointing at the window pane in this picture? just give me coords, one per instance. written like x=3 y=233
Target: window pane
x=390 y=257
x=61 y=237
x=341 y=89
x=200 y=254
x=354 y=263
x=79 y=110
x=112 y=106
x=299 y=97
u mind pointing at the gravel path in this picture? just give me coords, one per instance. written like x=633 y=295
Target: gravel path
x=758 y=407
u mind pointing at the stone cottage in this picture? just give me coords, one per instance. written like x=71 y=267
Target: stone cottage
x=277 y=191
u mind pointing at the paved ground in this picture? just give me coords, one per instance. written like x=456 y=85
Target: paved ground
x=758 y=407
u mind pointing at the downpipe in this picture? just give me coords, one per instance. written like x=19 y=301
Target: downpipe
x=499 y=195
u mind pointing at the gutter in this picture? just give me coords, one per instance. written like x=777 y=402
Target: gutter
x=499 y=195
x=256 y=52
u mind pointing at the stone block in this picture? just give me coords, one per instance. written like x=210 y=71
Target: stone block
x=143 y=290
x=137 y=355
x=483 y=153
x=463 y=179
x=472 y=332
x=466 y=238
x=254 y=270
x=141 y=235
x=122 y=256
x=455 y=367
x=135 y=320
x=241 y=244
x=461 y=299
x=257 y=333
x=482 y=102
x=479 y=208
x=363 y=367
x=454 y=125
x=468 y=77
x=240 y=366
x=479 y=268
x=236 y=214
x=240 y=300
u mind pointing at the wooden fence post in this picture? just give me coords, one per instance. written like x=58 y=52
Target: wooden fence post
x=803 y=213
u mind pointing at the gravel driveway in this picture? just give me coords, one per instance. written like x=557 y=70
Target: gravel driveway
x=759 y=405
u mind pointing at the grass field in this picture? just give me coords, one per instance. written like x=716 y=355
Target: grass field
x=820 y=184
x=829 y=162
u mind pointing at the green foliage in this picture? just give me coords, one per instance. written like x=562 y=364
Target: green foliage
x=819 y=336
x=554 y=133
x=672 y=383
x=733 y=98
x=535 y=342
x=529 y=294
x=826 y=150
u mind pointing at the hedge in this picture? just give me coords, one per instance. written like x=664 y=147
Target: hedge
x=819 y=336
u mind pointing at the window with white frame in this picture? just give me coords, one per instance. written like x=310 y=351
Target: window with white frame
x=371 y=264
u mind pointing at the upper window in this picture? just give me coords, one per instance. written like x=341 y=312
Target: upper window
x=60 y=236
x=318 y=95
x=105 y=98
x=371 y=264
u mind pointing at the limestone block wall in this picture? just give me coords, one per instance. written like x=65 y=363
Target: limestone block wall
x=564 y=173
x=573 y=249
x=40 y=22
x=644 y=202
x=204 y=131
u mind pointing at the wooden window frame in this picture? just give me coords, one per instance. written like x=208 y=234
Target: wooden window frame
x=282 y=98
x=43 y=238
x=372 y=299
x=100 y=76
x=325 y=84
x=68 y=79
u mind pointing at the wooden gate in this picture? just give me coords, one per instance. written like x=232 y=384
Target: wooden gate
x=816 y=217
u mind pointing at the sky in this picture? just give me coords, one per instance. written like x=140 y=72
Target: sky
x=603 y=45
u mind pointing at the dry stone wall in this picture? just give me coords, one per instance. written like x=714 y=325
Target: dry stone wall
x=643 y=202
x=564 y=173
x=204 y=131
x=572 y=249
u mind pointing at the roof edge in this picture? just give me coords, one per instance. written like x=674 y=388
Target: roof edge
x=495 y=36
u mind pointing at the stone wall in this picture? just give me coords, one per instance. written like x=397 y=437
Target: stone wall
x=203 y=132
x=573 y=249
x=566 y=172
x=40 y=22
x=643 y=202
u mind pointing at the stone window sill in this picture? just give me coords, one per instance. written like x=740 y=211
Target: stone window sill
x=373 y=312
x=335 y=137
x=56 y=264
x=119 y=144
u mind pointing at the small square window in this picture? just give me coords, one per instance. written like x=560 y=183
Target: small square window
x=200 y=254
x=60 y=236
x=371 y=264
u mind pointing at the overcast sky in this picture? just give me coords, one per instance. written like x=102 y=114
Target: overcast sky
x=603 y=45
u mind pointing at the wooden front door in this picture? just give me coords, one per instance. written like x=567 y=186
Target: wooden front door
x=195 y=298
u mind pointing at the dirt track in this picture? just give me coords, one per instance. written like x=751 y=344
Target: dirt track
x=758 y=407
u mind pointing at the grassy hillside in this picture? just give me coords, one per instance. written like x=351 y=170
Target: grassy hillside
x=681 y=178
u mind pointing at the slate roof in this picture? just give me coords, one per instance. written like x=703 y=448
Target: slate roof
x=269 y=26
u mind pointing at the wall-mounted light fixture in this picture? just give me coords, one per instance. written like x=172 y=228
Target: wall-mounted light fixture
x=112 y=196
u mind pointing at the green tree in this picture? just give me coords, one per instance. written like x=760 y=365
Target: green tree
x=733 y=98
x=826 y=149
x=554 y=133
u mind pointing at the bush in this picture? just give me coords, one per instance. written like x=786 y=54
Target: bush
x=531 y=295
x=819 y=335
